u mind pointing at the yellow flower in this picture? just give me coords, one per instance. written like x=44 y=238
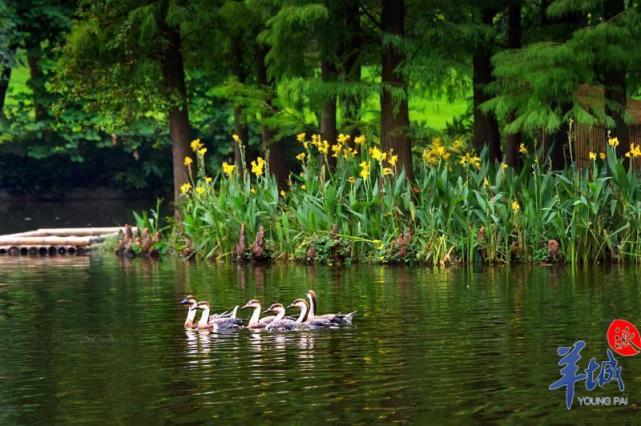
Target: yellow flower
x=258 y=166
x=377 y=154
x=602 y=155
x=303 y=187
x=472 y=160
x=236 y=138
x=208 y=179
x=504 y=166
x=300 y=137
x=228 y=169
x=188 y=161
x=613 y=142
x=301 y=157
x=392 y=160
x=336 y=149
x=351 y=180
x=342 y=139
x=316 y=139
x=196 y=145
x=202 y=152
x=364 y=169
x=486 y=182
x=441 y=151
x=323 y=147
x=359 y=140
x=200 y=190
x=522 y=149
x=282 y=193
x=387 y=171
x=185 y=187
x=515 y=206
x=252 y=190
x=635 y=151
x=592 y=155
x=347 y=152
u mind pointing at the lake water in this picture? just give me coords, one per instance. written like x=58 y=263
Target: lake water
x=96 y=340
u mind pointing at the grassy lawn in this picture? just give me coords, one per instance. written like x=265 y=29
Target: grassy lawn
x=433 y=112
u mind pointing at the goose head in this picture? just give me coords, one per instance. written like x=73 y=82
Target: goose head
x=298 y=303
x=311 y=295
x=302 y=305
x=189 y=300
x=276 y=307
x=203 y=305
x=254 y=303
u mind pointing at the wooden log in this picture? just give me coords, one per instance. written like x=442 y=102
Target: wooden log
x=46 y=232
x=57 y=241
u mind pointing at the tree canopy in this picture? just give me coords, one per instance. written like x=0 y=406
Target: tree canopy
x=145 y=77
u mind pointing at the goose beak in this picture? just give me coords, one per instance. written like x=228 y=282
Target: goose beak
x=267 y=311
x=245 y=306
x=184 y=301
x=291 y=306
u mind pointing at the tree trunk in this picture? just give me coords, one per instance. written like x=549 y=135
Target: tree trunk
x=615 y=90
x=174 y=83
x=557 y=144
x=351 y=57
x=240 y=123
x=276 y=157
x=328 y=112
x=5 y=76
x=513 y=140
x=37 y=83
x=486 y=127
x=394 y=95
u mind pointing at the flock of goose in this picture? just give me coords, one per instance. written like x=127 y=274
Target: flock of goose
x=278 y=322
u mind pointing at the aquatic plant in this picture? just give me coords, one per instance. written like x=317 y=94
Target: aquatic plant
x=460 y=208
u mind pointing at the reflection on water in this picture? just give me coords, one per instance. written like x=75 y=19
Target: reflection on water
x=87 y=339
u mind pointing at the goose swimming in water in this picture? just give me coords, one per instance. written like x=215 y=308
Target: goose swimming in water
x=280 y=323
x=217 y=322
x=303 y=322
x=337 y=319
x=255 y=322
x=191 y=313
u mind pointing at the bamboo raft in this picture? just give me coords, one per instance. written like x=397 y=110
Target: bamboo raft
x=55 y=241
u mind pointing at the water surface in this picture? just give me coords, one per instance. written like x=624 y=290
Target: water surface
x=90 y=340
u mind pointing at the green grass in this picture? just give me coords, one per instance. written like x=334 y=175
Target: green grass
x=18 y=86
x=426 y=110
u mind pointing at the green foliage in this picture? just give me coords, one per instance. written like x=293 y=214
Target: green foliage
x=461 y=209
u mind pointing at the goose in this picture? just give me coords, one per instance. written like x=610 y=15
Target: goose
x=303 y=322
x=191 y=313
x=337 y=319
x=255 y=322
x=280 y=323
x=217 y=322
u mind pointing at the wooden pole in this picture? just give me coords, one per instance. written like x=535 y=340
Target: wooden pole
x=56 y=241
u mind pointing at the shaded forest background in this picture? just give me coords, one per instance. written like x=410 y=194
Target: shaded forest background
x=110 y=93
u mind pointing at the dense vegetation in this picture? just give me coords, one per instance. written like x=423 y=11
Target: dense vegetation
x=460 y=208
x=116 y=85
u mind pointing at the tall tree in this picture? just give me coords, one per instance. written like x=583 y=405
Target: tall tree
x=394 y=94
x=513 y=140
x=615 y=84
x=127 y=58
x=173 y=71
x=486 y=127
